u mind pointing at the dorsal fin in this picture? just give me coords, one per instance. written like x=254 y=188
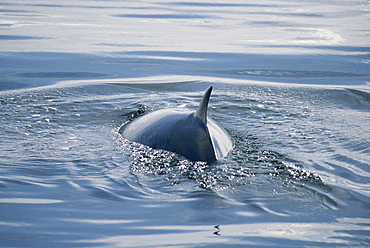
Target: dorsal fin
x=202 y=109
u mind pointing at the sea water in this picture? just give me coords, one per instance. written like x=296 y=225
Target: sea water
x=291 y=87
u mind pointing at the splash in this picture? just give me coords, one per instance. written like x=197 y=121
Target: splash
x=243 y=164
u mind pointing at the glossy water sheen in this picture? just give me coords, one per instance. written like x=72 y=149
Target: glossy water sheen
x=290 y=85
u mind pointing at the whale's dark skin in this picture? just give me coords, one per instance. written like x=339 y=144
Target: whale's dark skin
x=192 y=135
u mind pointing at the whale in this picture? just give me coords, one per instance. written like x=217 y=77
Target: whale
x=193 y=135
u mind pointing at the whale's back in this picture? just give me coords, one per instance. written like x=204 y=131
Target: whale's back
x=173 y=130
x=192 y=135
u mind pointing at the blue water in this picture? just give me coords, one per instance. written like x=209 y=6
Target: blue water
x=291 y=86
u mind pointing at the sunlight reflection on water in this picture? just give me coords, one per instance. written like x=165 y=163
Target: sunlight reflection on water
x=166 y=25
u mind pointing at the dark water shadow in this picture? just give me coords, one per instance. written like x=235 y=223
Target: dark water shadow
x=77 y=75
x=318 y=69
x=11 y=85
x=21 y=37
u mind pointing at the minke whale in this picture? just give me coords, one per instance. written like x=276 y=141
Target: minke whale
x=193 y=135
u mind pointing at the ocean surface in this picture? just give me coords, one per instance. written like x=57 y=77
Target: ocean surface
x=291 y=85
